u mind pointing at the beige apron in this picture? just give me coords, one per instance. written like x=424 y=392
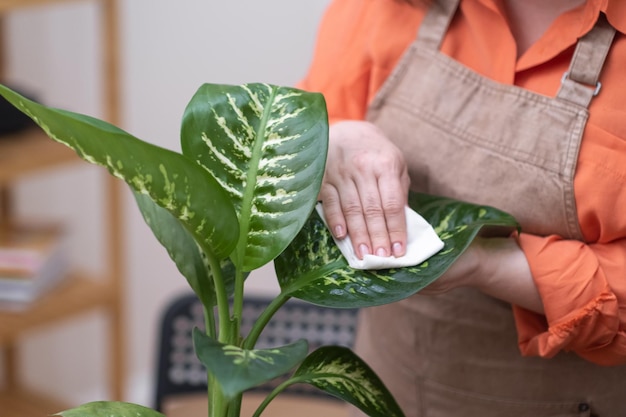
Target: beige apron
x=468 y=137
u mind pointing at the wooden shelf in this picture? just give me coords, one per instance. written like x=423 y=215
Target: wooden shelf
x=28 y=152
x=21 y=403
x=6 y=5
x=74 y=295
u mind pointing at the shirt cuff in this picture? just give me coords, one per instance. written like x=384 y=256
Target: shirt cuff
x=581 y=311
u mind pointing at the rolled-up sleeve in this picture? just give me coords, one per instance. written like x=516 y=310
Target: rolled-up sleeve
x=584 y=295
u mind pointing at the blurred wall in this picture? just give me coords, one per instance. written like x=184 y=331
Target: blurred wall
x=169 y=48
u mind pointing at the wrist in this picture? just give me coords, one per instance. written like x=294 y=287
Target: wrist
x=478 y=265
x=502 y=272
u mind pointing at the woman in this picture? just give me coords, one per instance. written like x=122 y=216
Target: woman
x=517 y=104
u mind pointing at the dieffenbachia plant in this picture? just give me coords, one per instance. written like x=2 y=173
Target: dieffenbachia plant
x=240 y=195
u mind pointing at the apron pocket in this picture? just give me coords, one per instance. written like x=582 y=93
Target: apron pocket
x=442 y=401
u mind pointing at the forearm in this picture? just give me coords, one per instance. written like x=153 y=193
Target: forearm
x=503 y=272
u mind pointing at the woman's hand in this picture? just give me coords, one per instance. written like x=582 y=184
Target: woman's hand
x=365 y=189
x=496 y=266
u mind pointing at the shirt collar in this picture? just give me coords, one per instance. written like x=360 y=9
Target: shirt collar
x=571 y=26
x=615 y=11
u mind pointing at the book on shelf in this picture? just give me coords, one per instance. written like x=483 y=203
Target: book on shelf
x=33 y=260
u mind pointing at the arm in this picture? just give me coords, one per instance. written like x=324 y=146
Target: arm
x=497 y=267
x=566 y=298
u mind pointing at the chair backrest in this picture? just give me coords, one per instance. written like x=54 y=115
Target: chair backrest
x=180 y=372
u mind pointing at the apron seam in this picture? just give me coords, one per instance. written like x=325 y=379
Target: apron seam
x=507 y=152
x=487 y=84
x=571 y=208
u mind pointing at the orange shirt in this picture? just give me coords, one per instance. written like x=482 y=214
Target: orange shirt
x=583 y=286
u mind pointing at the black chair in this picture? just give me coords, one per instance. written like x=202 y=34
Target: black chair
x=180 y=372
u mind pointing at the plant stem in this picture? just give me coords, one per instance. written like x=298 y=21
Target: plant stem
x=218 y=406
x=209 y=322
x=272 y=395
x=217 y=403
x=223 y=310
x=263 y=319
x=234 y=409
x=238 y=302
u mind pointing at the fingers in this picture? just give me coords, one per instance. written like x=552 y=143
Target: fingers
x=365 y=189
x=333 y=211
x=369 y=209
x=365 y=224
x=382 y=208
x=374 y=218
x=394 y=200
x=344 y=215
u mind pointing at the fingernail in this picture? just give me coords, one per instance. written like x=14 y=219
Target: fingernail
x=397 y=249
x=381 y=252
x=339 y=231
x=364 y=249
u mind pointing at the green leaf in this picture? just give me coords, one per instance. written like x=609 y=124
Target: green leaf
x=110 y=409
x=184 y=251
x=237 y=370
x=313 y=269
x=170 y=179
x=267 y=146
x=338 y=371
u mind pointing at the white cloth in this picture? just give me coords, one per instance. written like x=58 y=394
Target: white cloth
x=422 y=243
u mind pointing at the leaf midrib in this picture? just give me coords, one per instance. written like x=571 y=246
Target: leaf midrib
x=251 y=175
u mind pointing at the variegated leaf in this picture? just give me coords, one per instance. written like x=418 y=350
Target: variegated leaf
x=184 y=251
x=170 y=179
x=110 y=409
x=338 y=371
x=313 y=269
x=237 y=370
x=266 y=146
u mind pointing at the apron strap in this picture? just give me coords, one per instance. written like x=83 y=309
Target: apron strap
x=580 y=83
x=435 y=23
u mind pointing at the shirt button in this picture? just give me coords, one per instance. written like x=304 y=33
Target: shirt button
x=583 y=407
